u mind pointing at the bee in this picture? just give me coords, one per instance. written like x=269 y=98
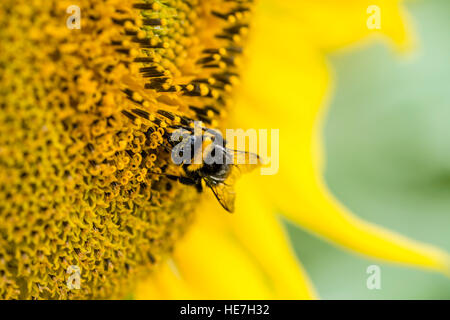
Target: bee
x=219 y=167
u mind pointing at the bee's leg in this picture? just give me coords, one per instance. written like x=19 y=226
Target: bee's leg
x=187 y=181
x=199 y=186
x=183 y=180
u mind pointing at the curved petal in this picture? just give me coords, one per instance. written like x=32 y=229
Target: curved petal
x=215 y=265
x=165 y=284
x=285 y=87
x=261 y=233
x=330 y=24
x=322 y=214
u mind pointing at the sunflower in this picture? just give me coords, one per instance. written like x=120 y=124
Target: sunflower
x=85 y=116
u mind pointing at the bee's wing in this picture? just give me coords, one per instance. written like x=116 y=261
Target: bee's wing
x=240 y=162
x=224 y=193
x=245 y=161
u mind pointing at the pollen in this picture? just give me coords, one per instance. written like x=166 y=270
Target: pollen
x=85 y=117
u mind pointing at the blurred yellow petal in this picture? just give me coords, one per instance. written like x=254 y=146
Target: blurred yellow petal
x=322 y=214
x=213 y=263
x=284 y=86
x=251 y=243
x=260 y=231
x=165 y=283
x=330 y=23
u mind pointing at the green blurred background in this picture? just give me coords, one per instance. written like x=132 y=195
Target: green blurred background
x=387 y=137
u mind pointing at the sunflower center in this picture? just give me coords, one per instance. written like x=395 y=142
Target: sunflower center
x=83 y=117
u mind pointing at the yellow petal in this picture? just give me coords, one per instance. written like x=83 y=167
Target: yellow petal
x=215 y=265
x=254 y=256
x=165 y=284
x=284 y=86
x=330 y=24
x=321 y=213
x=259 y=230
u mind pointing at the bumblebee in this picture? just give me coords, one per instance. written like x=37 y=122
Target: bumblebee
x=208 y=163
